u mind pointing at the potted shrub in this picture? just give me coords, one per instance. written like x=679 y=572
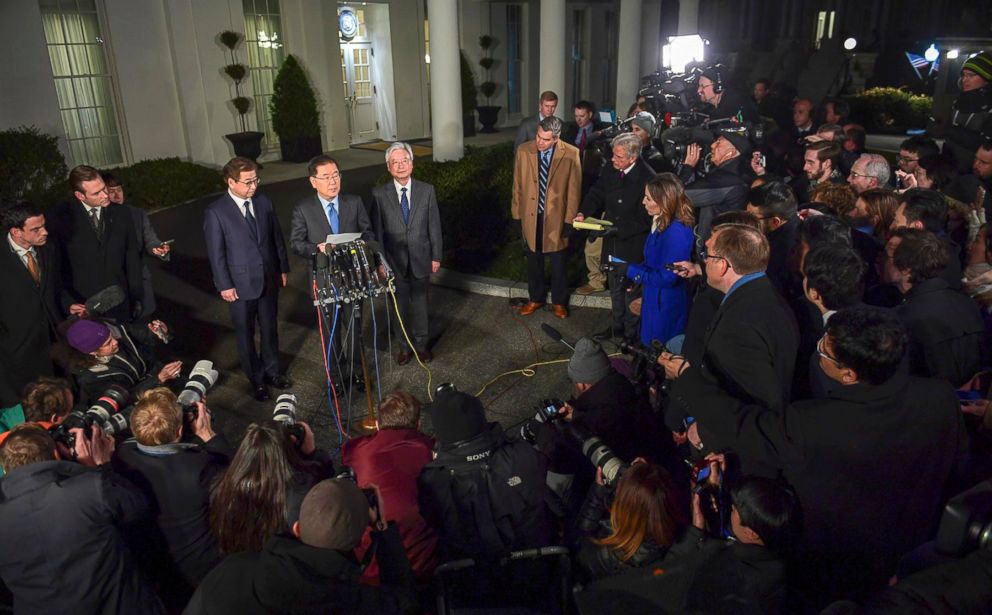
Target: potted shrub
x=247 y=143
x=294 y=113
x=468 y=97
x=488 y=114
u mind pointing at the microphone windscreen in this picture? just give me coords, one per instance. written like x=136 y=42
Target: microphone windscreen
x=551 y=332
x=105 y=300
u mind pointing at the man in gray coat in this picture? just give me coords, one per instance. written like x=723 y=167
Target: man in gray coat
x=407 y=222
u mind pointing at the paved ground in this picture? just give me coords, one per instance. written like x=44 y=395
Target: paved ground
x=475 y=338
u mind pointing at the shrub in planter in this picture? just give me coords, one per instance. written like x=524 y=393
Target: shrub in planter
x=890 y=108
x=294 y=113
x=30 y=165
x=247 y=143
x=469 y=94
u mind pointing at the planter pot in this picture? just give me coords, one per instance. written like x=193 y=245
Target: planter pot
x=246 y=144
x=300 y=149
x=487 y=117
x=468 y=124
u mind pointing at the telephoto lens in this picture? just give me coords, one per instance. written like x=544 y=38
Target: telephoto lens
x=285 y=414
x=201 y=378
x=604 y=458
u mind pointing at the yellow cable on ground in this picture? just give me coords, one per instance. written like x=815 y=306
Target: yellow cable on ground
x=527 y=371
x=392 y=293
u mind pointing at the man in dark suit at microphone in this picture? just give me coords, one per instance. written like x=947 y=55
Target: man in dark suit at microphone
x=249 y=264
x=408 y=223
x=328 y=212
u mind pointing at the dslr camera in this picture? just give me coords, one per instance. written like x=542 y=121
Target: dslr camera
x=548 y=411
x=110 y=411
x=348 y=473
x=284 y=413
x=201 y=378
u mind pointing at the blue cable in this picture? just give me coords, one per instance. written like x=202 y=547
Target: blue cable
x=330 y=397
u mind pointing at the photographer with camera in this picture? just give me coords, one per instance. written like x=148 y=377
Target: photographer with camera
x=724 y=188
x=61 y=527
x=312 y=568
x=259 y=494
x=103 y=354
x=721 y=99
x=177 y=547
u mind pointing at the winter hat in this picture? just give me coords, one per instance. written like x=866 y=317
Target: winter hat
x=87 y=336
x=334 y=515
x=980 y=64
x=456 y=417
x=589 y=364
x=645 y=120
x=740 y=142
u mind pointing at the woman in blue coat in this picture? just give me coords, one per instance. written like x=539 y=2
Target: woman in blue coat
x=665 y=303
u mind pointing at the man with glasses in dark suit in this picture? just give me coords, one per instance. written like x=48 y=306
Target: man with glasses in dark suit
x=248 y=260
x=407 y=222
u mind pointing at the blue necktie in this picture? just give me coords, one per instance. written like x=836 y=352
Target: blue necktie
x=252 y=223
x=405 y=206
x=332 y=217
x=542 y=177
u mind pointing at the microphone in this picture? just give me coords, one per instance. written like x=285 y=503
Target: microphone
x=555 y=335
x=105 y=300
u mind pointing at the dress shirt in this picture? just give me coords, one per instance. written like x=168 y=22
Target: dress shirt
x=22 y=253
x=399 y=187
x=240 y=202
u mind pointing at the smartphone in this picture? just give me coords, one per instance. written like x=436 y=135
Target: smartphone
x=167 y=242
x=674 y=267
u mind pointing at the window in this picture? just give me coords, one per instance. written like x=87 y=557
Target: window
x=610 y=61
x=824 y=27
x=264 y=43
x=514 y=56
x=578 y=57
x=83 y=81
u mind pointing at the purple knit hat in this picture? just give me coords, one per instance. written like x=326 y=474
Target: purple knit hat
x=87 y=336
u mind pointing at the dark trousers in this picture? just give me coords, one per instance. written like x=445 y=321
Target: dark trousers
x=244 y=314
x=537 y=288
x=623 y=320
x=411 y=296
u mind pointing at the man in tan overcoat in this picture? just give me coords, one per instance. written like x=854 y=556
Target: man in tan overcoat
x=547 y=191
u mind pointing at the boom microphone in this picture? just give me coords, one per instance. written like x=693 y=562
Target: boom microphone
x=555 y=335
x=105 y=300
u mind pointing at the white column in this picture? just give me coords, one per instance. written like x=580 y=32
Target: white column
x=446 y=81
x=628 y=54
x=688 y=16
x=650 y=36
x=553 y=46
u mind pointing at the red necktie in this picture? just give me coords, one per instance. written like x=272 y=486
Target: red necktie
x=582 y=141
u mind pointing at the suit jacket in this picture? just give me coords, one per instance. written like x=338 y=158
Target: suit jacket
x=310 y=226
x=235 y=259
x=561 y=201
x=28 y=317
x=88 y=264
x=527 y=131
x=409 y=248
x=620 y=201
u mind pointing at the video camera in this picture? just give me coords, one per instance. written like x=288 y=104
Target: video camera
x=110 y=411
x=201 y=378
x=675 y=141
x=284 y=413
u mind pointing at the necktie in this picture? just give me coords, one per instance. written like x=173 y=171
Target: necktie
x=332 y=217
x=582 y=140
x=32 y=265
x=621 y=175
x=95 y=221
x=542 y=177
x=252 y=223
x=405 y=206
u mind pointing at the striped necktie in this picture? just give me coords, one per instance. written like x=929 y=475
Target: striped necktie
x=543 y=170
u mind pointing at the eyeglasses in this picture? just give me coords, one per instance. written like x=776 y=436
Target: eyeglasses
x=250 y=182
x=907 y=159
x=400 y=163
x=822 y=353
x=856 y=174
x=703 y=256
x=328 y=178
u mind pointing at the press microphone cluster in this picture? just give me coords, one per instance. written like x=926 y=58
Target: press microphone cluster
x=349 y=272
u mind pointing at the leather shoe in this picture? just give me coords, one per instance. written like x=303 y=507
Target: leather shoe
x=560 y=310
x=261 y=393
x=530 y=307
x=607 y=334
x=279 y=381
x=588 y=289
x=425 y=356
x=403 y=357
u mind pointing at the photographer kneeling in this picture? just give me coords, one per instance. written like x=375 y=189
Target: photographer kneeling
x=177 y=547
x=314 y=570
x=104 y=354
x=60 y=524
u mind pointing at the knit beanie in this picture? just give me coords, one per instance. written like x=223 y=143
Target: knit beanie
x=334 y=515
x=456 y=417
x=589 y=364
x=645 y=120
x=980 y=64
x=87 y=336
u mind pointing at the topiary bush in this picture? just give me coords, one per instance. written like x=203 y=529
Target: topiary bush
x=31 y=164
x=294 y=113
x=469 y=91
x=890 y=108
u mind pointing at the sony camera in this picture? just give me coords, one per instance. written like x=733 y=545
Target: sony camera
x=284 y=413
x=201 y=378
x=109 y=411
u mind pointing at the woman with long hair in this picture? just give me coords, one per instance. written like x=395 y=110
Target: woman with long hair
x=261 y=492
x=873 y=212
x=665 y=295
x=646 y=517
